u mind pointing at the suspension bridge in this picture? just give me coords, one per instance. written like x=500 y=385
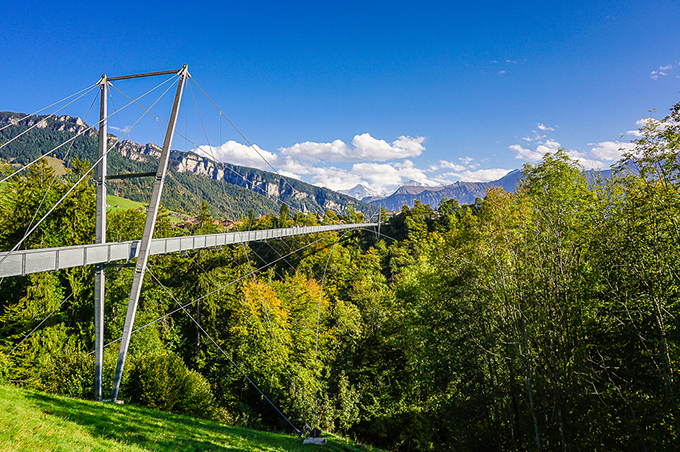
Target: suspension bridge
x=101 y=253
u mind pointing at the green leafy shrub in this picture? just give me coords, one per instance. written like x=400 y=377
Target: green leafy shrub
x=4 y=369
x=196 y=397
x=69 y=373
x=163 y=382
x=156 y=380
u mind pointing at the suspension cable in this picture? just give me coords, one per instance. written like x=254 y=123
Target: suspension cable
x=318 y=317
x=233 y=363
x=39 y=325
x=243 y=245
x=242 y=135
x=77 y=183
x=82 y=132
x=54 y=178
x=202 y=297
x=38 y=123
x=211 y=155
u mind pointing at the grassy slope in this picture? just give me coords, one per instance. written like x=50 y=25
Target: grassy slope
x=33 y=421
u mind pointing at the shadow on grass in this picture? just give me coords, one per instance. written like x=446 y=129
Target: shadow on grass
x=160 y=431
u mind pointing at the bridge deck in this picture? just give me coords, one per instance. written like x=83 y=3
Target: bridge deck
x=47 y=259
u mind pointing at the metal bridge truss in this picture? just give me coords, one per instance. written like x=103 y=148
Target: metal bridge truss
x=49 y=259
x=98 y=254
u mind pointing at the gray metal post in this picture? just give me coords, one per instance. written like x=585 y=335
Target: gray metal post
x=100 y=237
x=145 y=242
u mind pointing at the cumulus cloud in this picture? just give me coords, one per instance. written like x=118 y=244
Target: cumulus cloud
x=466 y=160
x=336 y=151
x=544 y=127
x=537 y=154
x=482 y=175
x=239 y=154
x=254 y=157
x=446 y=164
x=383 y=175
x=583 y=160
x=610 y=150
x=335 y=178
x=364 y=148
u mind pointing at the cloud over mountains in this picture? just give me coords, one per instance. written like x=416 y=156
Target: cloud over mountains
x=376 y=163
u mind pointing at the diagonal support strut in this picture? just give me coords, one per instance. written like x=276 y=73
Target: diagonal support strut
x=145 y=242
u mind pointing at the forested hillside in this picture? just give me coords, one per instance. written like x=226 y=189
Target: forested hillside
x=230 y=190
x=545 y=319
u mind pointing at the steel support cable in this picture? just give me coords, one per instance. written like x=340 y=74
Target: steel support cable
x=52 y=105
x=77 y=183
x=38 y=123
x=39 y=325
x=242 y=136
x=54 y=178
x=245 y=251
x=233 y=363
x=198 y=146
x=85 y=130
x=318 y=317
x=179 y=134
x=196 y=300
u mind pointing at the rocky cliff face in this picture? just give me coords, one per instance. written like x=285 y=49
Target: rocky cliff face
x=41 y=137
x=297 y=194
x=62 y=123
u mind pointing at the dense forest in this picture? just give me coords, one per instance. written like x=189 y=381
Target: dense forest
x=544 y=319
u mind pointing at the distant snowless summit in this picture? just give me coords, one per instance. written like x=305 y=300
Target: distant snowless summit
x=463 y=192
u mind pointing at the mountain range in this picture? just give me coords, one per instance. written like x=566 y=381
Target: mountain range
x=463 y=192
x=230 y=190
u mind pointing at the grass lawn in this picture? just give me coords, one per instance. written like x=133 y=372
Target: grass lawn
x=121 y=203
x=118 y=203
x=33 y=421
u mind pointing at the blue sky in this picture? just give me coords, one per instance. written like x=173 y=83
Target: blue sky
x=340 y=93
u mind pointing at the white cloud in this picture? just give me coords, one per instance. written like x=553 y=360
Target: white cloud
x=122 y=130
x=482 y=175
x=534 y=138
x=364 y=148
x=451 y=165
x=254 y=157
x=501 y=72
x=526 y=154
x=337 y=151
x=610 y=150
x=663 y=71
x=335 y=178
x=582 y=159
x=536 y=155
x=384 y=175
x=544 y=127
x=239 y=154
